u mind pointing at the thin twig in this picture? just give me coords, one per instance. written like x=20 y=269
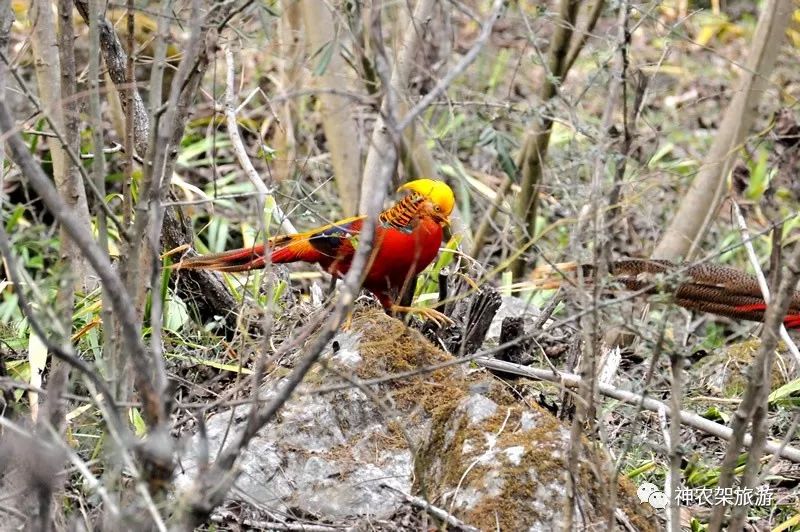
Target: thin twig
x=442 y=85
x=227 y=518
x=210 y=487
x=438 y=513
x=412 y=40
x=56 y=445
x=753 y=406
x=747 y=242
x=59 y=134
x=264 y=194
x=64 y=353
x=584 y=33
x=118 y=430
x=673 y=442
x=118 y=296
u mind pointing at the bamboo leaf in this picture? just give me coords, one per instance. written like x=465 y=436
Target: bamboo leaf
x=325 y=54
x=785 y=392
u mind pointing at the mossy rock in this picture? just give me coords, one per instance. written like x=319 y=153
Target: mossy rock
x=489 y=458
x=431 y=426
x=724 y=372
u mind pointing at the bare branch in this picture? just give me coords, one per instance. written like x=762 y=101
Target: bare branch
x=754 y=402
x=211 y=486
x=381 y=136
x=58 y=133
x=204 y=288
x=537 y=137
x=116 y=60
x=690 y=419
x=64 y=353
x=264 y=196
x=439 y=513
x=83 y=239
x=762 y=280
x=442 y=85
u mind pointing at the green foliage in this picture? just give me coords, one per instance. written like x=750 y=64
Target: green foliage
x=9 y=310
x=324 y=55
x=428 y=284
x=500 y=69
x=697 y=475
x=713 y=336
x=502 y=144
x=209 y=145
x=217 y=234
x=666 y=159
x=787 y=395
x=137 y=421
x=715 y=414
x=697 y=526
x=640 y=470
x=760 y=176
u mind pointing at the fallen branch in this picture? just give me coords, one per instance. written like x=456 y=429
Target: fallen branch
x=438 y=513
x=228 y=518
x=570 y=380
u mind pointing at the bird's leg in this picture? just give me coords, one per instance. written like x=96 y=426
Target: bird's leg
x=347 y=323
x=428 y=313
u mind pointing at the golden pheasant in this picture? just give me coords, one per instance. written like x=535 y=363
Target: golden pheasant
x=705 y=287
x=407 y=238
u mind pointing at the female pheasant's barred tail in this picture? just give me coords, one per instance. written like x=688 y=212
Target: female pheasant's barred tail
x=704 y=287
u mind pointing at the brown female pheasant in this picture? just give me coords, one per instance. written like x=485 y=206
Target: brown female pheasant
x=705 y=287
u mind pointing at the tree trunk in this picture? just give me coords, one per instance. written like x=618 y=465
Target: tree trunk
x=56 y=89
x=699 y=204
x=289 y=52
x=340 y=128
x=537 y=138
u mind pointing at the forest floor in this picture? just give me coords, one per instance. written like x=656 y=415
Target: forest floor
x=682 y=72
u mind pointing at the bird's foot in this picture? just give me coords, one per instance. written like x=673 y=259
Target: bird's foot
x=347 y=324
x=426 y=313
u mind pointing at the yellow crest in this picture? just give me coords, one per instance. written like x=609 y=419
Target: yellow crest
x=437 y=191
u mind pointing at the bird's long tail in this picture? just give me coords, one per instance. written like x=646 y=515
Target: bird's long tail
x=281 y=249
x=704 y=287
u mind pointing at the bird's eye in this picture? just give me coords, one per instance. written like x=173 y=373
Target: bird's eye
x=437 y=208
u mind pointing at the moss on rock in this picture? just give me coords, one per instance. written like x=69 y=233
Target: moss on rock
x=487 y=457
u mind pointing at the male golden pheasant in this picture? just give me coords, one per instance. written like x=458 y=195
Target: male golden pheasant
x=407 y=238
x=705 y=287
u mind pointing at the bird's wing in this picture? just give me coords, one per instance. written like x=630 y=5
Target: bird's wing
x=333 y=241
